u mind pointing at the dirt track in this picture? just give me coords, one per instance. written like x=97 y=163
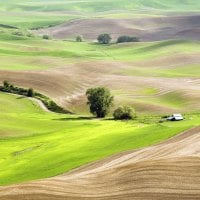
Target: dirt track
x=170 y=170
x=147 y=29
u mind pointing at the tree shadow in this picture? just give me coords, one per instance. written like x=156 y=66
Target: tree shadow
x=75 y=118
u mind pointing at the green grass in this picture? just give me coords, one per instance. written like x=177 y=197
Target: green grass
x=24 y=20
x=23 y=53
x=35 y=144
x=99 y=5
x=35 y=13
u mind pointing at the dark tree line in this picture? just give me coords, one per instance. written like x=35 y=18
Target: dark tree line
x=106 y=39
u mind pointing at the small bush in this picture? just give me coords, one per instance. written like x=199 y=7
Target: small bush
x=124 y=112
x=18 y=33
x=79 y=38
x=30 y=35
x=46 y=37
x=6 y=84
x=126 y=38
x=30 y=92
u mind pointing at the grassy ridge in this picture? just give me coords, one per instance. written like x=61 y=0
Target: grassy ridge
x=35 y=144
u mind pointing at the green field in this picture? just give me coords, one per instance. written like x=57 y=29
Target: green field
x=99 y=5
x=35 y=13
x=35 y=144
x=23 y=53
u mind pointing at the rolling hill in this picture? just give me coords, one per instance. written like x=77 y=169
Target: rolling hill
x=36 y=144
x=51 y=156
x=36 y=14
x=145 y=28
x=169 y=170
x=134 y=72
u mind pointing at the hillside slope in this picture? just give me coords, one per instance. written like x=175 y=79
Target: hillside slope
x=37 y=14
x=145 y=28
x=100 y=5
x=154 y=77
x=166 y=171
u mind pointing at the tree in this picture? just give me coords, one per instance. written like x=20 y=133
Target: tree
x=125 y=38
x=124 y=112
x=104 y=38
x=99 y=100
x=30 y=92
x=79 y=38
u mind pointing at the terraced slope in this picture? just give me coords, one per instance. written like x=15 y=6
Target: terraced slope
x=169 y=170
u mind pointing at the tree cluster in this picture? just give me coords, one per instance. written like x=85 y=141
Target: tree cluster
x=126 y=38
x=106 y=39
x=51 y=105
x=10 y=88
x=100 y=101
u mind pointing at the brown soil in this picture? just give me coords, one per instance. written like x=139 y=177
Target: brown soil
x=67 y=85
x=169 y=170
x=147 y=29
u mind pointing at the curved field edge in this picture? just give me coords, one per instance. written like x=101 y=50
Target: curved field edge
x=138 y=174
x=35 y=144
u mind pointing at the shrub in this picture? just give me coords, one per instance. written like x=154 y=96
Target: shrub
x=18 y=33
x=30 y=35
x=30 y=92
x=104 y=38
x=79 y=38
x=124 y=112
x=7 y=87
x=126 y=38
x=46 y=37
x=99 y=101
x=6 y=84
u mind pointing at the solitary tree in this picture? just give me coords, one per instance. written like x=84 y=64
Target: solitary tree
x=79 y=38
x=99 y=100
x=104 y=38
